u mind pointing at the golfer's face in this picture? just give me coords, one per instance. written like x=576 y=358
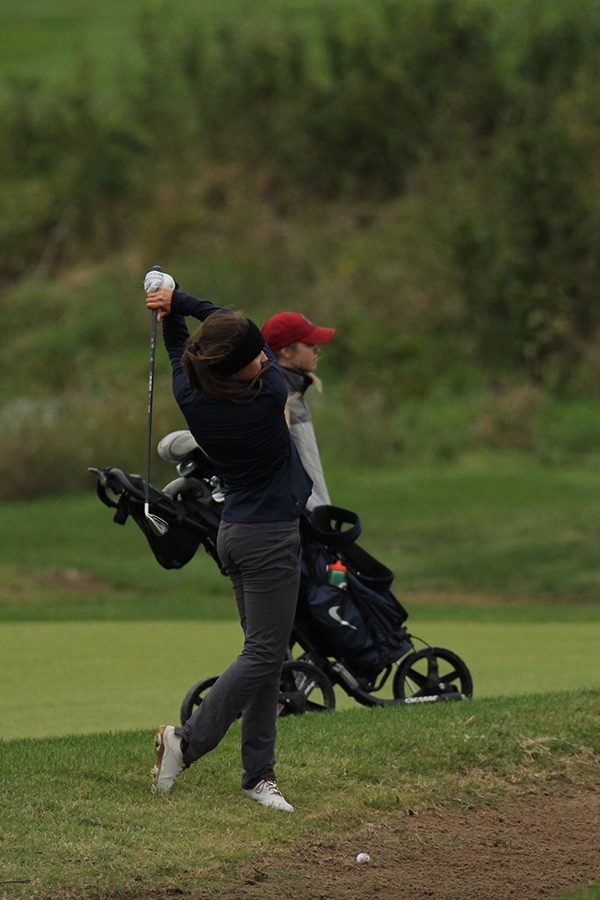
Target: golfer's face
x=303 y=357
x=252 y=369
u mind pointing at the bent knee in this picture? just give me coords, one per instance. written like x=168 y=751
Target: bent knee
x=268 y=658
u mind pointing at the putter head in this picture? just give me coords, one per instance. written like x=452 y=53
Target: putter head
x=158 y=525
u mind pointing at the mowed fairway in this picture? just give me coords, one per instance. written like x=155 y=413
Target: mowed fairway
x=83 y=677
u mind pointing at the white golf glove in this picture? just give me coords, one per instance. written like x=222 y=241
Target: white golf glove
x=153 y=281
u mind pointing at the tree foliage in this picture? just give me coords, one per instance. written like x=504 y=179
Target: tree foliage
x=499 y=101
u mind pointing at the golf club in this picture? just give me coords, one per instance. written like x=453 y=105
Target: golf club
x=158 y=525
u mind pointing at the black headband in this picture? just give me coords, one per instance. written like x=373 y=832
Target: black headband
x=243 y=353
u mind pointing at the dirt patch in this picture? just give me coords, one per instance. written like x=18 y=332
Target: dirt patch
x=535 y=846
x=70 y=580
x=22 y=582
x=532 y=846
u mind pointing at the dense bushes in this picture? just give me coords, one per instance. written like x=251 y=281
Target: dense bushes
x=422 y=173
x=501 y=99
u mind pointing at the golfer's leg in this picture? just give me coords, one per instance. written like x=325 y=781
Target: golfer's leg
x=251 y=682
x=261 y=554
x=270 y=610
x=204 y=729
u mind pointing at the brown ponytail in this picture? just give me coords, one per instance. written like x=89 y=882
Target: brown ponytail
x=210 y=345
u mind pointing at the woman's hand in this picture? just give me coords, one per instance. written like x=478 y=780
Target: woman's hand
x=160 y=300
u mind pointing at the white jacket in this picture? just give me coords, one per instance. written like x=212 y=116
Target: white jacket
x=303 y=435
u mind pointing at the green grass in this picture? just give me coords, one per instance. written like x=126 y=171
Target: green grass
x=499 y=525
x=77 y=811
x=485 y=538
x=96 y=638
x=70 y=580
x=45 y=37
x=63 y=558
x=592 y=892
x=79 y=677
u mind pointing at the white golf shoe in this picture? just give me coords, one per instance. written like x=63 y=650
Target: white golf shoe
x=169 y=759
x=267 y=793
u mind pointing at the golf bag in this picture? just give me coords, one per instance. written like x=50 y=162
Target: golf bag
x=358 y=620
x=191 y=512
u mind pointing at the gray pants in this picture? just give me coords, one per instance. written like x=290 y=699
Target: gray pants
x=263 y=562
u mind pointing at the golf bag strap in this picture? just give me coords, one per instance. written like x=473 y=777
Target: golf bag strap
x=122 y=510
x=101 y=491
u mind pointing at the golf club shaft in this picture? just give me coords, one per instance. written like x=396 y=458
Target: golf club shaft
x=153 y=328
x=150 y=400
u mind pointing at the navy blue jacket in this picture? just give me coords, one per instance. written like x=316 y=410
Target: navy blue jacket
x=249 y=442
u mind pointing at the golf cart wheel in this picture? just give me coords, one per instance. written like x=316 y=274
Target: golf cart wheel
x=304 y=688
x=194 y=697
x=432 y=672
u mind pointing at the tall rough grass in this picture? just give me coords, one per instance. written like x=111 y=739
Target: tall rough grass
x=497 y=103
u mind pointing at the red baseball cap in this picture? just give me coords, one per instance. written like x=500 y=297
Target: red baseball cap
x=285 y=328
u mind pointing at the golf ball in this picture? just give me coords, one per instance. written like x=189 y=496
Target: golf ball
x=363 y=858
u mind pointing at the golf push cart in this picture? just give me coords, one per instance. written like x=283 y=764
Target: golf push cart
x=349 y=628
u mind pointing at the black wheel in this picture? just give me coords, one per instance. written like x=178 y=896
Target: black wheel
x=304 y=688
x=431 y=672
x=194 y=696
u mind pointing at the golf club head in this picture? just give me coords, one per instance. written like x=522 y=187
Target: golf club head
x=158 y=525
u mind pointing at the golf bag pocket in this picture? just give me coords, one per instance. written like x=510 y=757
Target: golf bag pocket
x=339 y=625
x=126 y=495
x=384 y=619
x=172 y=550
x=370 y=571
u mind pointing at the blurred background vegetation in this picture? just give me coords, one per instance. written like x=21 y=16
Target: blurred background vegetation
x=422 y=174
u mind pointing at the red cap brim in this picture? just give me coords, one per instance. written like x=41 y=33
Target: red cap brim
x=319 y=335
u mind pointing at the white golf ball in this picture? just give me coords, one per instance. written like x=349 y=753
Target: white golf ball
x=363 y=858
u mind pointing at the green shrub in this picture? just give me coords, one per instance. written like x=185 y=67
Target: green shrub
x=48 y=444
x=423 y=175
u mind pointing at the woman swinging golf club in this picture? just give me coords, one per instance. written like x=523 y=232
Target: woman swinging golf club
x=230 y=389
